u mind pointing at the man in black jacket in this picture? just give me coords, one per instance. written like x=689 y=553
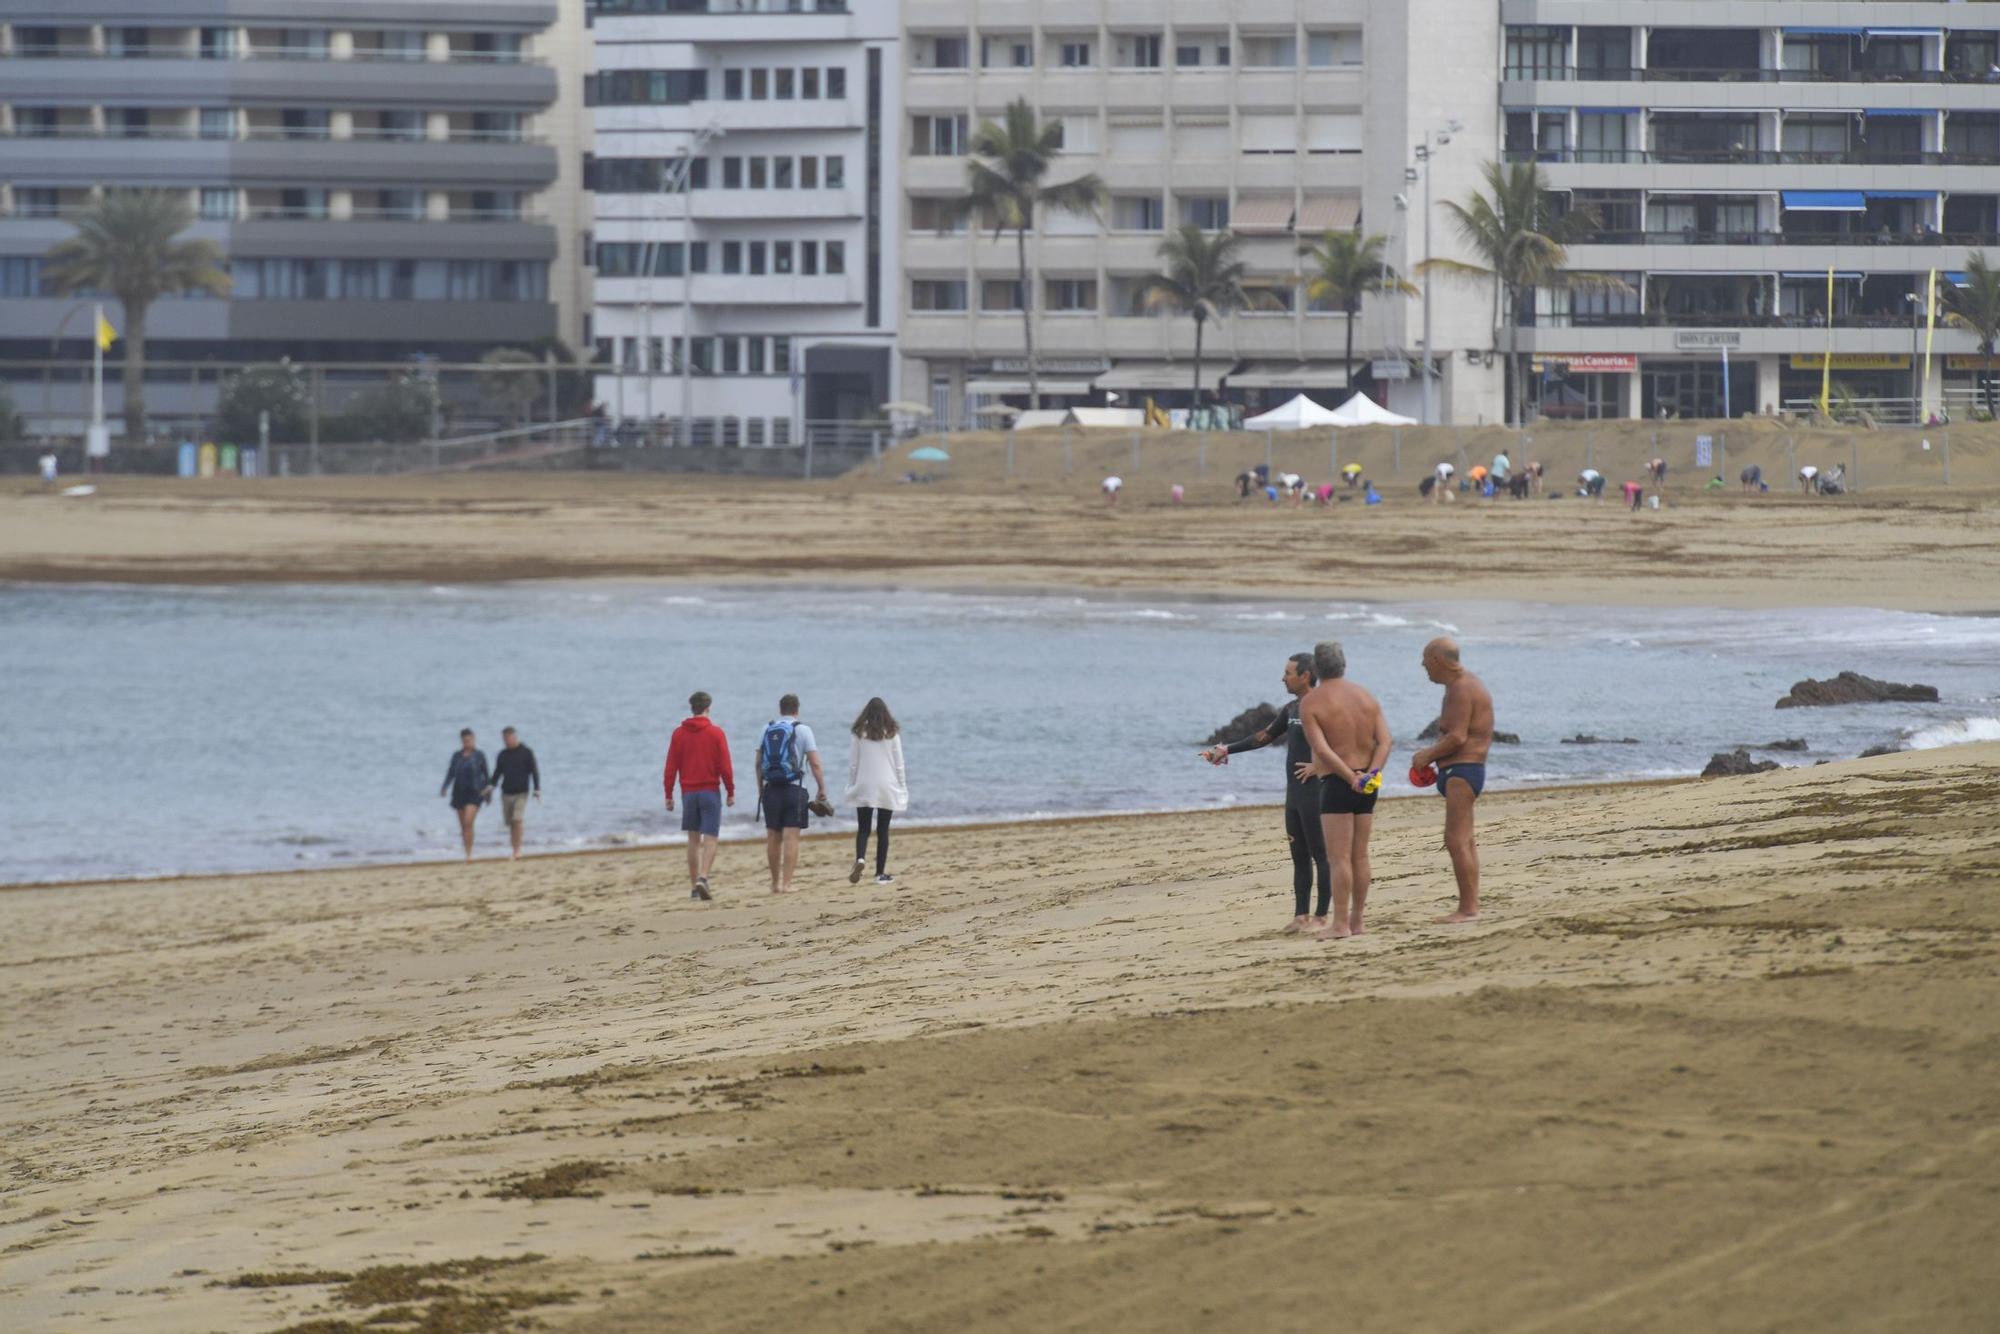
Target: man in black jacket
x=1302 y=823
x=515 y=772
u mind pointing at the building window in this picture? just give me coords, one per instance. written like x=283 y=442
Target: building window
x=781 y=173
x=1208 y=212
x=836 y=172
x=809 y=83
x=37 y=122
x=653 y=87
x=1072 y=294
x=755 y=364
x=732 y=356
x=1138 y=50
x=1537 y=52
x=937 y=294
x=218 y=203
x=1076 y=55
x=781 y=84
x=1138 y=213
x=218 y=43
x=756 y=249
x=732 y=173
x=1013 y=51
x=781 y=354
x=760 y=173
x=808 y=257
x=37 y=201
x=1001 y=294
x=701 y=356
x=753 y=427
x=929 y=213
x=808 y=173
x=836 y=81
x=760 y=85
x=938 y=136
x=732 y=85
x=948 y=53
x=1271 y=52
x=732 y=257
x=781 y=256
x=781 y=432
x=836 y=257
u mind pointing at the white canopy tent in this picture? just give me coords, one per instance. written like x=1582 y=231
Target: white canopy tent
x=1362 y=410
x=1299 y=414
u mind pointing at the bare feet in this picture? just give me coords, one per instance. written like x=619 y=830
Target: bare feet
x=1456 y=919
x=1315 y=924
x=1354 y=926
x=1335 y=932
x=1296 y=925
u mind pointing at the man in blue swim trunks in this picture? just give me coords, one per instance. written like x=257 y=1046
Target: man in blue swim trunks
x=1465 y=733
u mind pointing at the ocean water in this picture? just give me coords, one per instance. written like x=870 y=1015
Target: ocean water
x=160 y=730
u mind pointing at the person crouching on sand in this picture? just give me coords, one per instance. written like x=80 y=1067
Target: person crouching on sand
x=1465 y=734
x=468 y=783
x=876 y=785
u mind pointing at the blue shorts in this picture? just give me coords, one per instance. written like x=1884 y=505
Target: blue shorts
x=784 y=806
x=1475 y=774
x=701 y=813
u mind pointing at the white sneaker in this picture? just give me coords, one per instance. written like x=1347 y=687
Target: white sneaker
x=884 y=879
x=854 y=876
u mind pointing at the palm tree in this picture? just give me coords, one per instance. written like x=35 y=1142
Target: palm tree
x=1004 y=182
x=1348 y=266
x=127 y=243
x=1976 y=307
x=1520 y=242
x=1204 y=279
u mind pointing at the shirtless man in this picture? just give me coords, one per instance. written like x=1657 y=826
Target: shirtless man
x=1350 y=744
x=1465 y=733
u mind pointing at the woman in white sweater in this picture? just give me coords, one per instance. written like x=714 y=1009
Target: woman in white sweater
x=876 y=787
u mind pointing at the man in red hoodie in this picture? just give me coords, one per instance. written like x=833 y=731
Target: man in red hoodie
x=698 y=756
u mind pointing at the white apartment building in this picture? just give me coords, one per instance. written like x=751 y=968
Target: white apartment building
x=745 y=220
x=1734 y=156
x=1277 y=119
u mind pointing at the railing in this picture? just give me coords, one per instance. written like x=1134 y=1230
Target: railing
x=1788 y=157
x=301 y=53
x=644 y=8
x=1615 y=236
x=1630 y=74
x=1667 y=319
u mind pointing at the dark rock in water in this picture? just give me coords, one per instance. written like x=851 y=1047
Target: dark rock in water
x=1794 y=743
x=1586 y=739
x=1430 y=733
x=1873 y=751
x=1253 y=719
x=1854 y=688
x=1732 y=763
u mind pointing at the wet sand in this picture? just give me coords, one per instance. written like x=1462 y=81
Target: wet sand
x=1721 y=1056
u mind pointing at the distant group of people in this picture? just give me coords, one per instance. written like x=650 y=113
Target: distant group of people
x=1337 y=744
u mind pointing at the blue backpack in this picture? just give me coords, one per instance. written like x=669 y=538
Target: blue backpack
x=776 y=757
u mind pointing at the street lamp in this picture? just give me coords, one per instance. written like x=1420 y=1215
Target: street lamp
x=1433 y=141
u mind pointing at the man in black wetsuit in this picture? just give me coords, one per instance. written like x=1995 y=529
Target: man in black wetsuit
x=1302 y=823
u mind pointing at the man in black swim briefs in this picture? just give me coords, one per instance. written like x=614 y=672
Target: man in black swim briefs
x=1465 y=734
x=1302 y=824
x=1350 y=744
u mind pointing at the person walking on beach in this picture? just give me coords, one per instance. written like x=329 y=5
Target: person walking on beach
x=876 y=785
x=468 y=783
x=784 y=753
x=1350 y=743
x=514 y=770
x=698 y=756
x=48 y=464
x=1303 y=831
x=1465 y=734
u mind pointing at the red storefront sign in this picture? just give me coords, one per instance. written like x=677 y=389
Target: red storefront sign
x=1591 y=363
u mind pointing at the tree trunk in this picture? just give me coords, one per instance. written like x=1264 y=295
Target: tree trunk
x=135 y=372
x=1028 y=318
x=1199 y=323
x=1353 y=309
x=1986 y=377
x=1514 y=359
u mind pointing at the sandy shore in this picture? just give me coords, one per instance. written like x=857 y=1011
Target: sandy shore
x=1721 y=1057
x=1907 y=549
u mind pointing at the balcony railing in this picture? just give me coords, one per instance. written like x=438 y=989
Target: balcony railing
x=1668 y=319
x=655 y=8
x=1630 y=74
x=1617 y=236
x=306 y=53
x=1788 y=157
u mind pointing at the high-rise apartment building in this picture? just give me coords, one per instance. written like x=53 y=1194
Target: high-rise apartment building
x=1772 y=184
x=386 y=179
x=745 y=178
x=1278 y=120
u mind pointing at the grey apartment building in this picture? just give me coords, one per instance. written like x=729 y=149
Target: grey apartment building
x=1772 y=184
x=388 y=178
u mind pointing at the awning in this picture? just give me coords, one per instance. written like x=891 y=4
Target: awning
x=1904 y=32
x=1821 y=276
x=1957 y=279
x=1161 y=375
x=1270 y=215
x=1880 y=113
x=1825 y=201
x=1061 y=387
x=1824 y=32
x=1901 y=194
x=1329 y=213
x=1289 y=375
x=1608 y=111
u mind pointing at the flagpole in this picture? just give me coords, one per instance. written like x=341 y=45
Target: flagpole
x=1930 y=332
x=97 y=369
x=1826 y=361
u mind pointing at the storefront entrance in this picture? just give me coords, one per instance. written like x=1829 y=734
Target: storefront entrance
x=1694 y=388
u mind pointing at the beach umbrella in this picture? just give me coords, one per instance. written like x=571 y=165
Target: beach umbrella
x=929 y=454
x=904 y=406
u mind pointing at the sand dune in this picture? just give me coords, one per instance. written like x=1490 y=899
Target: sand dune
x=1720 y=1058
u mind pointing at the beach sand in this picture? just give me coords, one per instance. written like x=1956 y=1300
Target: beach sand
x=1720 y=1057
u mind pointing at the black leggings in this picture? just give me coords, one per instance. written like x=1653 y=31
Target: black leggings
x=1308 y=839
x=868 y=815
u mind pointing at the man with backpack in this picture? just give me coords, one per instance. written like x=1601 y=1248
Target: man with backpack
x=784 y=753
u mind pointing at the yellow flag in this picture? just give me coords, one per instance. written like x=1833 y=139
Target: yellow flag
x=106 y=335
x=1826 y=366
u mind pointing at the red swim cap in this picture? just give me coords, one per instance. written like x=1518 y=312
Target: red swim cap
x=1424 y=777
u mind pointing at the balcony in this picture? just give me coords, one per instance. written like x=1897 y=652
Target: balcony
x=1607 y=74
x=1752 y=157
